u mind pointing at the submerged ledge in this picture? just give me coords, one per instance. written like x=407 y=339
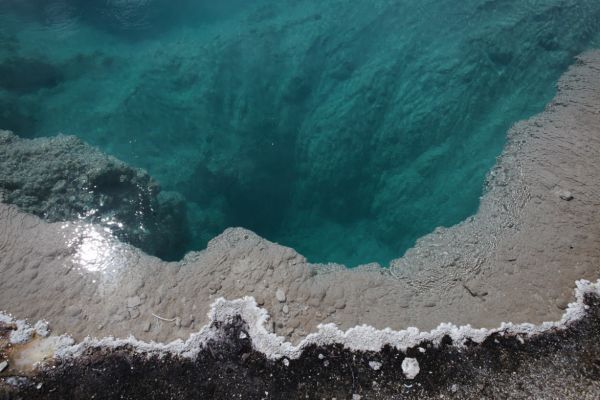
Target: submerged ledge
x=537 y=231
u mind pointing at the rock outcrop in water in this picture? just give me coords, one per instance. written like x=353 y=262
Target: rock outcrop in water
x=62 y=179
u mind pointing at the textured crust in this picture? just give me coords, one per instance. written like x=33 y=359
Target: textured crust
x=537 y=231
x=235 y=356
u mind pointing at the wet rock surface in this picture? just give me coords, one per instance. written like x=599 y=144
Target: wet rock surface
x=64 y=179
x=560 y=363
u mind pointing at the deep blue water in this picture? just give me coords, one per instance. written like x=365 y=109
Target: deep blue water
x=345 y=129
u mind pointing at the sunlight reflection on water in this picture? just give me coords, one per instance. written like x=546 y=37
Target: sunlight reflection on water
x=96 y=249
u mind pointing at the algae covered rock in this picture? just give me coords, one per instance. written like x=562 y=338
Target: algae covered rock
x=62 y=178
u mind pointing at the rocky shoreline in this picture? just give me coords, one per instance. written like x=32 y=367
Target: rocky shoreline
x=536 y=233
x=235 y=356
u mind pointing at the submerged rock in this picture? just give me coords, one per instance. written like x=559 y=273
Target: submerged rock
x=63 y=179
x=23 y=75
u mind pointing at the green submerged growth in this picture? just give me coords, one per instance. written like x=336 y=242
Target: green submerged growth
x=344 y=129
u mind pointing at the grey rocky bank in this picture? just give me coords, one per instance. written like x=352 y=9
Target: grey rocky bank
x=64 y=179
x=536 y=232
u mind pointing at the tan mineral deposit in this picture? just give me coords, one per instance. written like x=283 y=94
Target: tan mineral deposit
x=537 y=231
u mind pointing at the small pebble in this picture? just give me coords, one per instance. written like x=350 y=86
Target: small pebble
x=565 y=195
x=280 y=295
x=340 y=305
x=3 y=365
x=375 y=365
x=286 y=309
x=410 y=367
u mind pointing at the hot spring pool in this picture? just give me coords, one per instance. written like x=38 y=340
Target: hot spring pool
x=345 y=130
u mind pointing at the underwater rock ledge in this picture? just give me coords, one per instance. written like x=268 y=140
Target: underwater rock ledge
x=63 y=179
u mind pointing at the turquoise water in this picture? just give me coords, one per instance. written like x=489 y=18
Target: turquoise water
x=345 y=129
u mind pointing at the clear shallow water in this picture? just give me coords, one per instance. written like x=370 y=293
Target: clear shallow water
x=343 y=129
